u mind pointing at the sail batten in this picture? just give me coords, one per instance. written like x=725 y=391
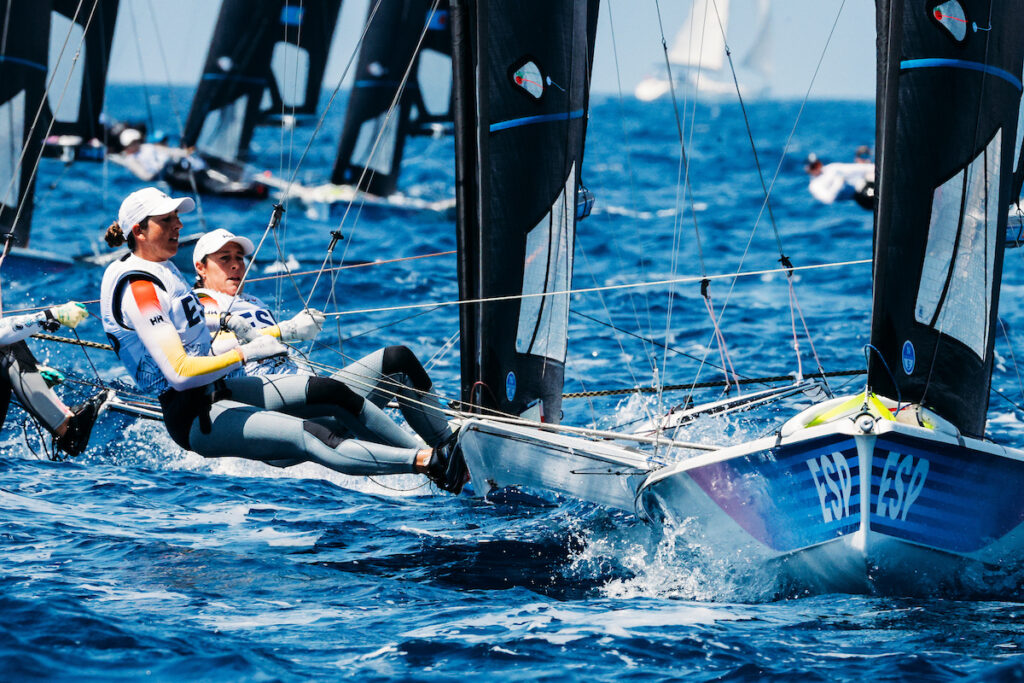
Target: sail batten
x=948 y=99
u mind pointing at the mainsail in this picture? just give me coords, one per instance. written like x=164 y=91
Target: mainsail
x=265 y=59
x=372 y=141
x=23 y=119
x=81 y=103
x=948 y=94
x=701 y=41
x=522 y=82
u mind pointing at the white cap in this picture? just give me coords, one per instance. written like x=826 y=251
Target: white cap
x=215 y=240
x=128 y=136
x=149 y=201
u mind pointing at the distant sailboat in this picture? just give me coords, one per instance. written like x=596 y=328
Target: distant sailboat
x=265 y=65
x=698 y=56
x=402 y=88
x=78 y=131
x=24 y=118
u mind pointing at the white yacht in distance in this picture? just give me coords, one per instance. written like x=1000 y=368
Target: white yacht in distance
x=698 y=59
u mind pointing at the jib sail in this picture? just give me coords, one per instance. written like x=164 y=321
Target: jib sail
x=265 y=59
x=948 y=94
x=373 y=139
x=522 y=72
x=78 y=107
x=23 y=59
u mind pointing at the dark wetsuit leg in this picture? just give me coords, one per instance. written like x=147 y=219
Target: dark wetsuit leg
x=395 y=372
x=21 y=375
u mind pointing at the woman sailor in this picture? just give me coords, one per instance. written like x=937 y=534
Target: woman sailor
x=159 y=331
x=21 y=375
x=394 y=371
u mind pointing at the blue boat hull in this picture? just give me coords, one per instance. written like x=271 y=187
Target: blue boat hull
x=900 y=507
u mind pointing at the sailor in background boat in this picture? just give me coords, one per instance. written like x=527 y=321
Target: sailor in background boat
x=393 y=371
x=148 y=160
x=159 y=331
x=21 y=374
x=839 y=182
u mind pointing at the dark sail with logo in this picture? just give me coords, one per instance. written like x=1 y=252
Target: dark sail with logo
x=23 y=58
x=266 y=59
x=373 y=139
x=522 y=81
x=81 y=105
x=948 y=93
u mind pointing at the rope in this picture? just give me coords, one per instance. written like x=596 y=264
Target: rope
x=75 y=342
x=704 y=385
x=603 y=288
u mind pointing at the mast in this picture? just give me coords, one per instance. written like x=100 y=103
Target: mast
x=947 y=101
x=522 y=81
x=258 y=53
x=387 y=53
x=82 y=106
x=23 y=60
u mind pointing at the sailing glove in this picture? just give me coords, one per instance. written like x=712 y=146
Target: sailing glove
x=240 y=327
x=262 y=347
x=69 y=314
x=303 y=327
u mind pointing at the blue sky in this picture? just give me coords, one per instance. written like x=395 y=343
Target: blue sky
x=182 y=28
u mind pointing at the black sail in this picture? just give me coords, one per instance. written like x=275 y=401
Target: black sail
x=266 y=58
x=82 y=105
x=373 y=138
x=948 y=93
x=522 y=72
x=23 y=116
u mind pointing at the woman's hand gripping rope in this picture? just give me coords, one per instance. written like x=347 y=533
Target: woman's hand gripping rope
x=262 y=347
x=304 y=326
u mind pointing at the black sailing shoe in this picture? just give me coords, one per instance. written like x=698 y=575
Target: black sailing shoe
x=76 y=438
x=447 y=467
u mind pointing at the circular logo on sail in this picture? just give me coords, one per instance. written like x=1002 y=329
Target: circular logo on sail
x=510 y=386
x=908 y=357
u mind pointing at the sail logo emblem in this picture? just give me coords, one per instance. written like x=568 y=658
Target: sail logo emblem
x=951 y=16
x=528 y=78
x=510 y=385
x=909 y=357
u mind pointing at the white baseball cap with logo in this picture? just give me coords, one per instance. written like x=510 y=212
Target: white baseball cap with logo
x=215 y=240
x=147 y=202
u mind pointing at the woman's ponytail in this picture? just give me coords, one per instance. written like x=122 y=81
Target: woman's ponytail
x=114 y=237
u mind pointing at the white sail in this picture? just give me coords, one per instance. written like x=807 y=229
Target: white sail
x=759 y=57
x=701 y=40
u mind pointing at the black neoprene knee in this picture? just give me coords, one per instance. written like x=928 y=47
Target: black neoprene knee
x=324 y=390
x=399 y=360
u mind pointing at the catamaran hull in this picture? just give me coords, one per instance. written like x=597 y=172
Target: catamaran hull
x=899 y=509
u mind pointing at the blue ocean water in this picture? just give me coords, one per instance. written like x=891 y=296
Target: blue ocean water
x=140 y=560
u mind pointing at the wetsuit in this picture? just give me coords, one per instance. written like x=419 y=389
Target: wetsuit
x=19 y=372
x=393 y=371
x=159 y=331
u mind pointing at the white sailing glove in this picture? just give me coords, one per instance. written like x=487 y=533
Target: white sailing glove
x=303 y=327
x=69 y=314
x=239 y=326
x=262 y=347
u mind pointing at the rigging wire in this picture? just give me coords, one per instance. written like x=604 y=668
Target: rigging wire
x=399 y=93
x=778 y=168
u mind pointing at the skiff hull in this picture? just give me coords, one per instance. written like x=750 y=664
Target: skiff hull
x=899 y=509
